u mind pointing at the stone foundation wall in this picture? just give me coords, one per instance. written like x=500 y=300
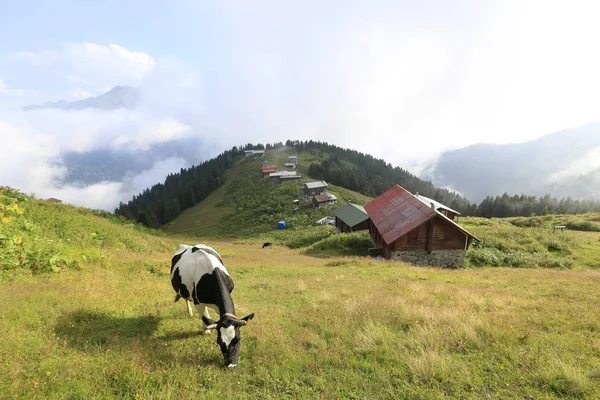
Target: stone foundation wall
x=437 y=258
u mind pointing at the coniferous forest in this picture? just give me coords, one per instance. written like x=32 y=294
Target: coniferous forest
x=163 y=202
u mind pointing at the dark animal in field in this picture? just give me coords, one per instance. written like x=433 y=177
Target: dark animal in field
x=199 y=276
x=266 y=244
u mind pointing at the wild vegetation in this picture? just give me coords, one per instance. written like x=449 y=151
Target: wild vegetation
x=514 y=242
x=38 y=236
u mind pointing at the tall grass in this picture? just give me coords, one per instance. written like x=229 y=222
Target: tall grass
x=42 y=237
x=526 y=244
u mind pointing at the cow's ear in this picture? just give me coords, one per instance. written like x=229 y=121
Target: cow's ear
x=210 y=324
x=247 y=318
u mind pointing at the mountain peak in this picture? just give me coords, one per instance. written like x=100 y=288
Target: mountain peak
x=117 y=97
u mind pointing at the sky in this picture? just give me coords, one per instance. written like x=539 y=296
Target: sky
x=401 y=80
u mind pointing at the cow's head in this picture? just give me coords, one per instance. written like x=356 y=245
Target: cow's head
x=228 y=336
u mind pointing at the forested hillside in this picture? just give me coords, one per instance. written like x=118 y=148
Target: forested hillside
x=345 y=168
x=370 y=176
x=165 y=201
x=525 y=206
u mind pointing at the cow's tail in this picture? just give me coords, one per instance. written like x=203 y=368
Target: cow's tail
x=177 y=297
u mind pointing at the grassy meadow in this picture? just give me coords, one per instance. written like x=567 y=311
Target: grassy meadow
x=324 y=328
x=87 y=312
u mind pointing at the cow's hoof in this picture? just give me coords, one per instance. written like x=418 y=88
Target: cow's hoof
x=206 y=332
x=231 y=366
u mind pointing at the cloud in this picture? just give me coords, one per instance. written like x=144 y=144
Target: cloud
x=79 y=94
x=41 y=58
x=5 y=90
x=588 y=163
x=401 y=82
x=36 y=140
x=31 y=159
x=91 y=68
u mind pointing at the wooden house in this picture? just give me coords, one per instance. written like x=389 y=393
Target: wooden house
x=314 y=189
x=266 y=171
x=289 y=178
x=276 y=176
x=351 y=218
x=447 y=211
x=323 y=200
x=255 y=153
x=407 y=229
x=293 y=159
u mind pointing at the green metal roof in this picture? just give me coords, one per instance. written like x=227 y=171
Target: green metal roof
x=351 y=214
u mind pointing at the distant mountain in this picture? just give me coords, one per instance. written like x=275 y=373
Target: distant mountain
x=115 y=98
x=565 y=163
x=108 y=164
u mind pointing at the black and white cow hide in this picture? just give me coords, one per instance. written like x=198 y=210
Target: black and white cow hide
x=199 y=276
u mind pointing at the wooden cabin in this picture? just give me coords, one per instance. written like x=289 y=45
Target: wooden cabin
x=323 y=200
x=407 y=229
x=447 y=211
x=314 y=188
x=351 y=218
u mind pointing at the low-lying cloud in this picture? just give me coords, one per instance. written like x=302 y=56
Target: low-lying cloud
x=35 y=142
x=399 y=82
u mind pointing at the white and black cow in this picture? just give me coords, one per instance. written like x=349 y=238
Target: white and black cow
x=198 y=275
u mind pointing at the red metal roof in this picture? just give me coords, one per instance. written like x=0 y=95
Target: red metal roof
x=268 y=169
x=397 y=212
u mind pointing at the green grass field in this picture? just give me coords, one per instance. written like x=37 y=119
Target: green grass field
x=324 y=328
x=87 y=312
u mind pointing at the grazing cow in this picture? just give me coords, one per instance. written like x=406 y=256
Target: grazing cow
x=266 y=244
x=198 y=275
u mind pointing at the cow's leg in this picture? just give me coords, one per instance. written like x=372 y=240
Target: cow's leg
x=189 y=307
x=205 y=313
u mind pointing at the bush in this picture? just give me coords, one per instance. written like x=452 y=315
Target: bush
x=351 y=244
x=587 y=226
x=515 y=259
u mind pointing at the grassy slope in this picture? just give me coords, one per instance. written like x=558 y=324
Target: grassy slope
x=249 y=205
x=329 y=328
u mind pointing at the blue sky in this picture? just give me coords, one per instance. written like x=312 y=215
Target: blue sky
x=401 y=80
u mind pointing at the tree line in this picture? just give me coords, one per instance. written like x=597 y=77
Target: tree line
x=351 y=169
x=370 y=176
x=525 y=206
x=164 y=202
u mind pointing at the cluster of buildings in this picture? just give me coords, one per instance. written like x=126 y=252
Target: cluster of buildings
x=401 y=225
x=270 y=171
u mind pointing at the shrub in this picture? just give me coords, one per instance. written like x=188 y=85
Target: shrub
x=588 y=226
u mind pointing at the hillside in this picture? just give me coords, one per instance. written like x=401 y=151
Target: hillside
x=248 y=204
x=563 y=164
x=88 y=312
x=38 y=236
